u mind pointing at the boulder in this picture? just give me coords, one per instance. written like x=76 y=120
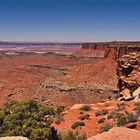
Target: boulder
x=14 y=138
x=118 y=133
x=131 y=125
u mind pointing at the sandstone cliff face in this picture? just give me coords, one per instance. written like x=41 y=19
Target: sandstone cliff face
x=118 y=133
x=128 y=65
x=128 y=72
x=119 y=48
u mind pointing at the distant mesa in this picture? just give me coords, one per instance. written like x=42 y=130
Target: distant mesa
x=114 y=49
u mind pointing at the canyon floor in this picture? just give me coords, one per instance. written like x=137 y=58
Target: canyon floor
x=58 y=79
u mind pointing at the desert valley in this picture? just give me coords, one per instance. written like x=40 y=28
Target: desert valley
x=94 y=86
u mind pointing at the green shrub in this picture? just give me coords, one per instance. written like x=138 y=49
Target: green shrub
x=84 y=117
x=74 y=135
x=98 y=113
x=117 y=115
x=85 y=108
x=121 y=121
x=105 y=127
x=76 y=124
x=132 y=89
x=2 y=116
x=28 y=118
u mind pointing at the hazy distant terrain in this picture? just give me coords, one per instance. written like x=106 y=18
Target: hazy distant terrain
x=16 y=48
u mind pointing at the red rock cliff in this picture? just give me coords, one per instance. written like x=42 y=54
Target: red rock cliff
x=113 y=49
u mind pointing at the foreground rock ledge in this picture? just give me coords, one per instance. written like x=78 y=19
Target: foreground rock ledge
x=118 y=133
x=14 y=138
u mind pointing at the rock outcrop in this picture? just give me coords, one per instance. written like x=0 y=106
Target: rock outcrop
x=118 y=133
x=128 y=72
x=14 y=138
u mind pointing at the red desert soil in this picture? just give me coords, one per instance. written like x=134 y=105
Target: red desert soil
x=91 y=125
x=101 y=74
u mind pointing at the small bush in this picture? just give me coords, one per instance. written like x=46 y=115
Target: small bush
x=105 y=127
x=104 y=112
x=101 y=120
x=98 y=113
x=76 y=124
x=74 y=135
x=84 y=117
x=85 y=108
x=121 y=121
x=110 y=116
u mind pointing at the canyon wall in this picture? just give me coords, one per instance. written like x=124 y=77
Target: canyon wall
x=114 y=49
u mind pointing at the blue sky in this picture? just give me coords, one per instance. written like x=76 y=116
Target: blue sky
x=69 y=20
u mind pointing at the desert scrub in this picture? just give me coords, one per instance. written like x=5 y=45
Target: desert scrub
x=77 y=124
x=101 y=120
x=98 y=113
x=73 y=135
x=122 y=120
x=117 y=115
x=110 y=116
x=132 y=89
x=85 y=108
x=84 y=117
x=105 y=127
x=131 y=118
x=104 y=111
